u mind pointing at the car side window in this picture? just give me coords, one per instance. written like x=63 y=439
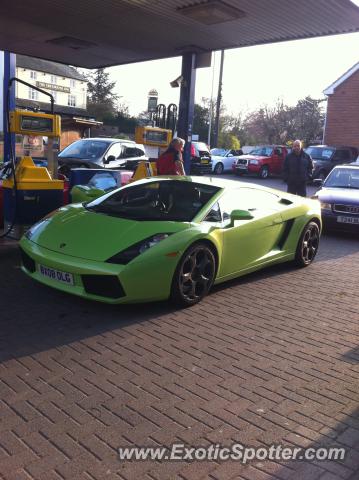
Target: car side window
x=115 y=150
x=232 y=200
x=214 y=215
x=139 y=152
x=245 y=198
x=341 y=156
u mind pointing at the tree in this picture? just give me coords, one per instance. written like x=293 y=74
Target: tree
x=282 y=123
x=100 y=97
x=309 y=120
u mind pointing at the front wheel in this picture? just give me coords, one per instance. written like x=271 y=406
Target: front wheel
x=218 y=169
x=308 y=245
x=194 y=275
x=264 y=172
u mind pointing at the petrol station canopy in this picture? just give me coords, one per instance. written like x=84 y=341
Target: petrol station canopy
x=93 y=33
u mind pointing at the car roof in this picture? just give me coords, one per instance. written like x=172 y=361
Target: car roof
x=333 y=146
x=353 y=165
x=216 y=182
x=109 y=140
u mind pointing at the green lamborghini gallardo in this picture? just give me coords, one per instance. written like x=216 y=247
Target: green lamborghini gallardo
x=169 y=238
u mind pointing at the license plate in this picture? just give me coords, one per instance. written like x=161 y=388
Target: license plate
x=242 y=167
x=347 y=220
x=58 y=275
x=204 y=160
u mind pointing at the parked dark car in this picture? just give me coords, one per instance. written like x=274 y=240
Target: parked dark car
x=326 y=157
x=339 y=198
x=113 y=153
x=201 y=161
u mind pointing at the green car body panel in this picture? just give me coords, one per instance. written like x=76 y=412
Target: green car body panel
x=80 y=242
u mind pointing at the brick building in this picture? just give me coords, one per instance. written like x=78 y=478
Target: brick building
x=342 y=120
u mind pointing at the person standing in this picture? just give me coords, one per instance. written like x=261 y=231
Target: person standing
x=297 y=170
x=170 y=162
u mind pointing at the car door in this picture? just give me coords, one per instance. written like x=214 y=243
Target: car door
x=247 y=243
x=277 y=160
x=341 y=155
x=228 y=160
x=113 y=157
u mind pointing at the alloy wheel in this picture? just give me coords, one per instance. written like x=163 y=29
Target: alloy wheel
x=196 y=274
x=308 y=245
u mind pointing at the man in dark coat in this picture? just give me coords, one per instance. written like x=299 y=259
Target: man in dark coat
x=297 y=170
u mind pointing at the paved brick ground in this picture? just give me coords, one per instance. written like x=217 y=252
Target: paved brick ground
x=271 y=358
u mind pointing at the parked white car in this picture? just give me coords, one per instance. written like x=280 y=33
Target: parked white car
x=223 y=159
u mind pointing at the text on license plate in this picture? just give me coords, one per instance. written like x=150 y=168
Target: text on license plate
x=63 y=277
x=204 y=160
x=342 y=219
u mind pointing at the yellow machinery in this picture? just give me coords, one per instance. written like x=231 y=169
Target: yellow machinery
x=144 y=170
x=30 y=192
x=153 y=136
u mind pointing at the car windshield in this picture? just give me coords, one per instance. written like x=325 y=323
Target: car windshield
x=85 y=149
x=343 y=178
x=173 y=200
x=320 y=153
x=218 y=152
x=262 y=151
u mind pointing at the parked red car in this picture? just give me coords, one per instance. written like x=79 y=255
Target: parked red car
x=262 y=161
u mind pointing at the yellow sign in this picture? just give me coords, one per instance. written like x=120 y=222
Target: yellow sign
x=24 y=122
x=157 y=137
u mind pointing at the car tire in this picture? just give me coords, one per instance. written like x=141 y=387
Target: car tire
x=308 y=245
x=219 y=168
x=264 y=172
x=194 y=275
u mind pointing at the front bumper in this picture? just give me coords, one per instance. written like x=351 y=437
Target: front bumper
x=331 y=222
x=201 y=168
x=250 y=169
x=101 y=281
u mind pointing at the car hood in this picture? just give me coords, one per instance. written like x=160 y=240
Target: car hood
x=74 y=160
x=85 y=234
x=339 y=195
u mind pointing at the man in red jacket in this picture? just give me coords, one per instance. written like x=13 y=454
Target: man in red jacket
x=171 y=161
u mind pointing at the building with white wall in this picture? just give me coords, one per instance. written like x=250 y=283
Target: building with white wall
x=67 y=86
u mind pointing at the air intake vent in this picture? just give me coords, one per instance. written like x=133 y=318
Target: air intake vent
x=211 y=12
x=71 y=42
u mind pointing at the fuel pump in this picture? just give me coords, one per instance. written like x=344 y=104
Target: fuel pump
x=30 y=192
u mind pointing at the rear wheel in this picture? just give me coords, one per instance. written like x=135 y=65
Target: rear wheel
x=264 y=172
x=194 y=275
x=219 y=168
x=308 y=244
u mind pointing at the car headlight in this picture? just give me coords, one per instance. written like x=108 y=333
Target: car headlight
x=135 y=250
x=253 y=162
x=32 y=230
x=325 y=206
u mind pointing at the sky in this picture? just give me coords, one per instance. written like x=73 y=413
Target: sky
x=252 y=76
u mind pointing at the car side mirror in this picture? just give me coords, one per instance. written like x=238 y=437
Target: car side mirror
x=230 y=155
x=318 y=182
x=240 y=215
x=109 y=159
